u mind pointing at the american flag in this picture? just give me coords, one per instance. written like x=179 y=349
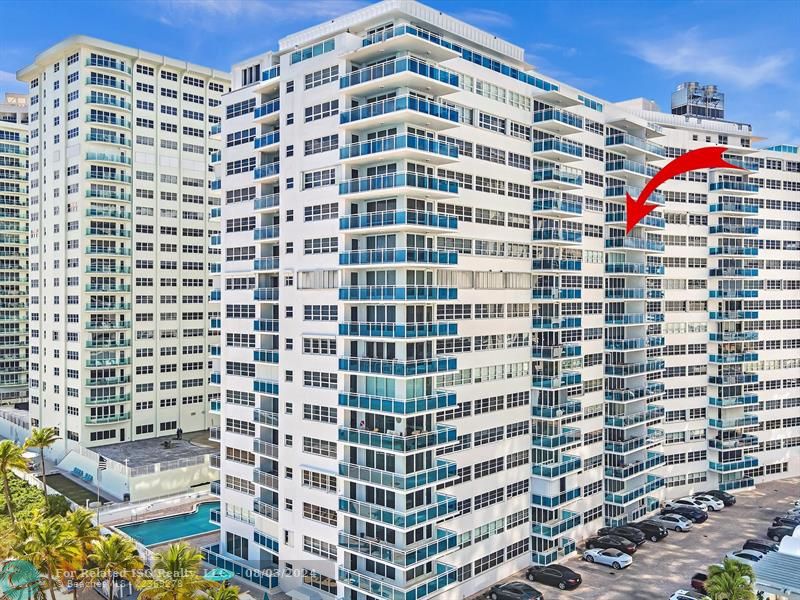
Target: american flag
x=102 y=464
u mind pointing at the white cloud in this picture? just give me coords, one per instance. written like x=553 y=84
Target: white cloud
x=484 y=17
x=691 y=53
x=210 y=14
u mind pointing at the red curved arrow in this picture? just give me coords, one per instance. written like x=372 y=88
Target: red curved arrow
x=702 y=158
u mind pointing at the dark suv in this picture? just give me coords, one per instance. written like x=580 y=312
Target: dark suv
x=781 y=531
x=627 y=532
x=762 y=546
x=695 y=515
x=611 y=541
x=786 y=520
x=653 y=531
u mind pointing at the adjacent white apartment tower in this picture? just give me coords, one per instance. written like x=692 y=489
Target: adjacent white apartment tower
x=121 y=193
x=14 y=250
x=441 y=357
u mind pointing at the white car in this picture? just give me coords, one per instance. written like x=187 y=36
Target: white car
x=711 y=503
x=672 y=521
x=609 y=556
x=748 y=557
x=793 y=511
x=688 y=595
x=687 y=501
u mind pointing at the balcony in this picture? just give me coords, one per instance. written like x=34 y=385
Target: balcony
x=396 y=293
x=555 y=293
x=118 y=380
x=445 y=505
x=629 y=344
x=556 y=206
x=653 y=483
x=554 y=528
x=105 y=138
x=557 y=150
x=114 y=343
x=110 y=250
x=268 y=172
x=267 y=325
x=265 y=448
x=399 y=147
x=733 y=187
x=267 y=111
x=108 y=158
x=107 y=287
x=404 y=72
x=634 y=268
x=380 y=587
x=556 y=469
x=110 y=82
x=108 y=63
x=732 y=251
x=733 y=357
x=726 y=229
x=568 y=437
x=108 y=213
x=652 y=413
x=401 y=109
x=555 y=265
x=395 y=442
x=745 y=421
x=636 y=368
x=444 y=470
x=397 y=406
x=397 y=368
x=406 y=38
x=557 y=122
x=732 y=293
x=370 y=547
x=651 y=221
x=749 y=462
x=398 y=255
x=266 y=233
x=736 y=484
x=268 y=263
x=106 y=325
x=653 y=436
x=556 y=322
x=269 y=294
x=557 y=177
x=390 y=218
x=265 y=479
x=621 y=191
x=267 y=202
x=555 y=501
x=565 y=350
x=734 y=442
x=733 y=379
x=630 y=145
x=102 y=400
x=734 y=401
x=119 y=269
x=623 y=320
x=625 y=166
x=265 y=510
x=635 y=243
x=110 y=418
x=565 y=547
x=398 y=183
x=108 y=195
x=550 y=382
x=265 y=356
x=398 y=330
x=120 y=122
x=267 y=141
x=557 y=235
x=733 y=315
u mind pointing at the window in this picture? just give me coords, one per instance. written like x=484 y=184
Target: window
x=321 y=111
x=318 y=78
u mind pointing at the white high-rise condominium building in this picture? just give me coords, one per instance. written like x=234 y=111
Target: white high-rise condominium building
x=121 y=194
x=441 y=357
x=14 y=250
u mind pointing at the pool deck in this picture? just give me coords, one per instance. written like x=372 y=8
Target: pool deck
x=147 y=514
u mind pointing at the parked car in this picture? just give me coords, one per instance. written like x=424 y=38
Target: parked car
x=748 y=557
x=609 y=556
x=711 y=503
x=695 y=515
x=762 y=546
x=687 y=501
x=788 y=520
x=651 y=529
x=611 y=541
x=672 y=521
x=515 y=590
x=627 y=532
x=777 y=533
x=688 y=595
x=795 y=510
x=728 y=499
x=699 y=582
x=558 y=576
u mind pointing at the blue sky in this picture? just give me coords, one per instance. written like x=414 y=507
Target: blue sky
x=613 y=49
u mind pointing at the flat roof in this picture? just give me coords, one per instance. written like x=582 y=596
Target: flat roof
x=152 y=451
x=779 y=572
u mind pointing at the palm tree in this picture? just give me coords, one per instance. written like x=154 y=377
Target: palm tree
x=731 y=581
x=41 y=439
x=50 y=547
x=223 y=592
x=85 y=533
x=10 y=458
x=174 y=575
x=114 y=555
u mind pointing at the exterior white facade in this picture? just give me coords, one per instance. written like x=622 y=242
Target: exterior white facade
x=14 y=250
x=121 y=195
x=441 y=358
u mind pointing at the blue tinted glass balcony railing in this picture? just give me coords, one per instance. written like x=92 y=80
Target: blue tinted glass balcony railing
x=391 y=292
x=554 y=264
x=399 y=65
x=398 y=217
x=444 y=505
x=398 y=255
x=736 y=484
x=376 y=587
x=267 y=108
x=749 y=462
x=567 y=437
x=266 y=233
x=267 y=293
x=620 y=191
x=391 y=105
x=566 y=520
x=557 y=234
x=555 y=381
x=734 y=442
x=397 y=368
x=733 y=401
x=635 y=243
x=653 y=483
x=736 y=357
x=735 y=250
x=745 y=421
x=108 y=63
x=111 y=82
x=558 y=145
x=557 y=204
x=635 y=442
x=555 y=293
x=632 y=394
x=268 y=325
x=733 y=293
x=268 y=170
x=653 y=412
x=558 y=173
x=624 y=472
x=409 y=442
x=565 y=464
x=734 y=186
x=555 y=412
x=561 y=116
x=394 y=180
x=733 y=229
x=556 y=352
x=554 y=501
x=636 y=368
x=637 y=142
x=271 y=73
x=267 y=140
x=268 y=263
x=625 y=164
x=268 y=201
x=556 y=322
x=732 y=272
x=445 y=540
x=733 y=379
x=266 y=356
x=107 y=100
x=650 y=220
x=444 y=470
x=398 y=142
x=398 y=406
x=733 y=315
x=744 y=163
x=734 y=207
x=398 y=330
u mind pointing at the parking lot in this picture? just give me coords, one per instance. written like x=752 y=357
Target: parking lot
x=660 y=568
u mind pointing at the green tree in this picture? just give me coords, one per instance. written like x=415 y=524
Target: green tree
x=174 y=575
x=50 y=546
x=85 y=533
x=10 y=458
x=42 y=438
x=223 y=592
x=733 y=580
x=113 y=555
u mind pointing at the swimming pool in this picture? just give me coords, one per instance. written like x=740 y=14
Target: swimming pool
x=165 y=529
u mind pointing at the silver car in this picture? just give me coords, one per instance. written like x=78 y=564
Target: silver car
x=672 y=521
